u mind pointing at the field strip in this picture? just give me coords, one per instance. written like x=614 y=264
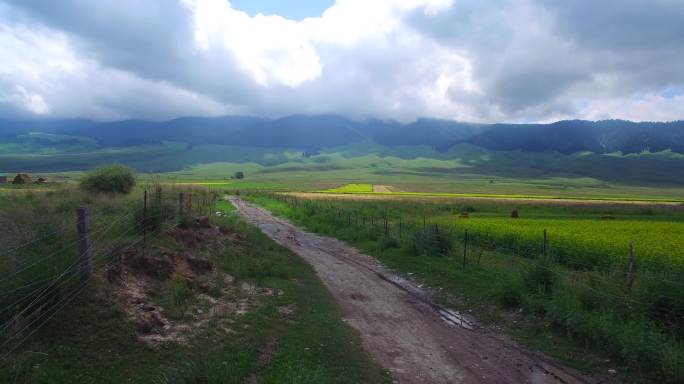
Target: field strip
x=417 y=195
x=416 y=341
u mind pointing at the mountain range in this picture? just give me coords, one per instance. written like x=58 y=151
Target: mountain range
x=326 y=131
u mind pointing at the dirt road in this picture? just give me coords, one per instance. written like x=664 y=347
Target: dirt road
x=402 y=329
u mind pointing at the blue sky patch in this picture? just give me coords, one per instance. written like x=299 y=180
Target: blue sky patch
x=292 y=9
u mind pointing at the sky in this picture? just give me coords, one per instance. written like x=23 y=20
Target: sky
x=293 y=10
x=466 y=60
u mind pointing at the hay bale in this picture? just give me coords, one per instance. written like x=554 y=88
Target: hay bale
x=465 y=215
x=514 y=214
x=21 y=178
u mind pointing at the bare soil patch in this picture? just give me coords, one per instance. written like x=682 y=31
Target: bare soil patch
x=382 y=188
x=214 y=297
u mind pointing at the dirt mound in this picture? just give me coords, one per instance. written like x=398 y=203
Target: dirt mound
x=202 y=232
x=137 y=280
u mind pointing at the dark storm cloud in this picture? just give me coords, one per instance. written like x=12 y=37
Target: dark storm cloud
x=528 y=54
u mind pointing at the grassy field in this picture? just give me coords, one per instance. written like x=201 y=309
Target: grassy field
x=577 y=300
x=464 y=169
x=292 y=335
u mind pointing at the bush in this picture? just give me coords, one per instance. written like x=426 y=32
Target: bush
x=511 y=295
x=157 y=216
x=539 y=276
x=387 y=242
x=431 y=243
x=109 y=179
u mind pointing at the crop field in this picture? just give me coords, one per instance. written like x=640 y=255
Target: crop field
x=351 y=188
x=368 y=189
x=599 y=241
x=581 y=285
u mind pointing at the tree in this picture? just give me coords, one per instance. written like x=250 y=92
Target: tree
x=239 y=175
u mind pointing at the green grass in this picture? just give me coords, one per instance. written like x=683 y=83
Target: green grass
x=92 y=341
x=575 y=304
x=464 y=170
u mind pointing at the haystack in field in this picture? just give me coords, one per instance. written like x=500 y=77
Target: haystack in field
x=21 y=178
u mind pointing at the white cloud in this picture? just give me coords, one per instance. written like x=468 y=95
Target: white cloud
x=33 y=102
x=513 y=60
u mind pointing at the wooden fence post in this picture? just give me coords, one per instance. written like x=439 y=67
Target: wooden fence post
x=145 y=221
x=83 y=229
x=631 y=269
x=159 y=199
x=401 y=237
x=190 y=204
x=545 y=246
x=465 y=248
x=181 y=205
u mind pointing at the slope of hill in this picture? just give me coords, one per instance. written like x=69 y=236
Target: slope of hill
x=573 y=136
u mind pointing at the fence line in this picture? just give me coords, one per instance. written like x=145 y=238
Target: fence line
x=406 y=225
x=37 y=311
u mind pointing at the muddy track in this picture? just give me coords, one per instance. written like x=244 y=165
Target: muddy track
x=416 y=340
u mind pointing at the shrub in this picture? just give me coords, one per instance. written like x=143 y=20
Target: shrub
x=511 y=295
x=109 y=179
x=239 y=175
x=431 y=243
x=157 y=216
x=539 y=276
x=387 y=242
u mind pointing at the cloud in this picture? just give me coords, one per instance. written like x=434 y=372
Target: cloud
x=501 y=60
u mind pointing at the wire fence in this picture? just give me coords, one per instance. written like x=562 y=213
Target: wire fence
x=613 y=282
x=34 y=287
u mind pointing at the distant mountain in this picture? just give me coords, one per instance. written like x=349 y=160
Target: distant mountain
x=438 y=134
x=307 y=132
x=316 y=132
x=573 y=136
